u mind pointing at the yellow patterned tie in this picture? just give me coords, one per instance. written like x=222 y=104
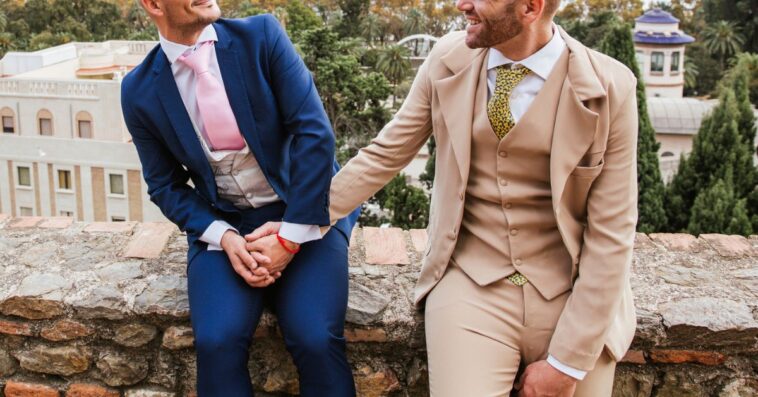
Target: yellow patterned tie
x=499 y=106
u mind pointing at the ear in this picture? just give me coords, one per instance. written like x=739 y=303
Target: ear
x=153 y=8
x=533 y=10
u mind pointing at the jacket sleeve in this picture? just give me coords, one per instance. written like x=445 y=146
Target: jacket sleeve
x=166 y=178
x=395 y=146
x=606 y=256
x=312 y=147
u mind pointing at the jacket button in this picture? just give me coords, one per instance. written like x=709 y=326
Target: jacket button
x=514 y=232
x=508 y=205
x=503 y=154
x=503 y=182
x=460 y=195
x=451 y=236
x=517 y=262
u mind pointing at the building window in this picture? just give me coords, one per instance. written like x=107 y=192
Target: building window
x=9 y=121
x=26 y=211
x=675 y=61
x=84 y=125
x=656 y=62
x=45 y=122
x=64 y=179
x=69 y=214
x=641 y=60
x=667 y=154
x=118 y=219
x=24 y=176
x=116 y=184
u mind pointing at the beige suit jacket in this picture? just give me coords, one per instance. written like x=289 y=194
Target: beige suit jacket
x=592 y=172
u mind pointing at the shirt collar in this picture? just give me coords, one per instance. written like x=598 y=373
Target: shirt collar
x=541 y=62
x=174 y=50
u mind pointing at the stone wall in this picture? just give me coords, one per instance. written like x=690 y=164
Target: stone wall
x=100 y=309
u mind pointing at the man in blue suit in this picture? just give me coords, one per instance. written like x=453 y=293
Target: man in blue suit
x=229 y=105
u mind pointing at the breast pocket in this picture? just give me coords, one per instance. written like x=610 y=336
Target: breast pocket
x=588 y=172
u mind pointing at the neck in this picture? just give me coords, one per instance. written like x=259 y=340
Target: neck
x=186 y=36
x=529 y=41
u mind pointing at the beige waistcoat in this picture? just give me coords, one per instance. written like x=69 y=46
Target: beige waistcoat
x=509 y=187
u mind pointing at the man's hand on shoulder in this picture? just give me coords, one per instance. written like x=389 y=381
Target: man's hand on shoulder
x=245 y=263
x=265 y=241
x=541 y=379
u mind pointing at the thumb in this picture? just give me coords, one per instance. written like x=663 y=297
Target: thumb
x=267 y=229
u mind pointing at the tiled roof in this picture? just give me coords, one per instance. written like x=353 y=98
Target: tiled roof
x=657 y=15
x=662 y=37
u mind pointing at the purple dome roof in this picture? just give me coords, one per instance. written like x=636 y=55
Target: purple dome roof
x=657 y=15
x=661 y=38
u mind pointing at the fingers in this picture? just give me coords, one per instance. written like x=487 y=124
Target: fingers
x=267 y=229
x=242 y=269
x=260 y=258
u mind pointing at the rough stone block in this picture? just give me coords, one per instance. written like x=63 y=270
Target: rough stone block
x=729 y=246
x=687 y=356
x=675 y=241
x=385 y=246
x=25 y=221
x=15 y=328
x=371 y=383
x=642 y=241
x=150 y=240
x=110 y=227
x=89 y=390
x=366 y=335
x=31 y=308
x=18 y=389
x=66 y=330
x=175 y=338
x=634 y=357
x=419 y=239
x=119 y=369
x=65 y=361
x=61 y=222
x=135 y=335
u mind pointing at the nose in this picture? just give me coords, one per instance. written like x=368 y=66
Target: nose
x=464 y=5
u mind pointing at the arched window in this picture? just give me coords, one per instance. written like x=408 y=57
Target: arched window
x=45 y=122
x=84 y=125
x=667 y=154
x=8 y=120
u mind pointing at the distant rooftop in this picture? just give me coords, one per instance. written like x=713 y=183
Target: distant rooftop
x=657 y=15
x=678 y=115
x=73 y=61
x=662 y=37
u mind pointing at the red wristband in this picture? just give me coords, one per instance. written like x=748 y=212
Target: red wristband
x=284 y=244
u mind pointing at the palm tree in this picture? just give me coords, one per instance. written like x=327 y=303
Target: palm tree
x=371 y=28
x=691 y=72
x=723 y=38
x=394 y=64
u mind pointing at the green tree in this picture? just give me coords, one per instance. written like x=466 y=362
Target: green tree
x=408 y=206
x=718 y=209
x=353 y=12
x=427 y=177
x=723 y=39
x=300 y=18
x=742 y=13
x=718 y=152
x=394 y=64
x=618 y=43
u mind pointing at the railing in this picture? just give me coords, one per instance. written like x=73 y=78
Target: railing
x=46 y=88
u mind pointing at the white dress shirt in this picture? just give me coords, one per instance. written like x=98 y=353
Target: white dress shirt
x=541 y=63
x=257 y=191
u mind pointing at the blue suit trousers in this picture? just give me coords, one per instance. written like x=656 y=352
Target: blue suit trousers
x=309 y=300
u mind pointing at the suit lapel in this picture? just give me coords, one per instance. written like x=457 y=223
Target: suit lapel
x=457 y=97
x=236 y=91
x=575 y=123
x=168 y=93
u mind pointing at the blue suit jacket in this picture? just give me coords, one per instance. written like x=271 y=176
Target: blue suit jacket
x=279 y=113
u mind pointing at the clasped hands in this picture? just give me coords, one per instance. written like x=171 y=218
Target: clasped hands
x=259 y=258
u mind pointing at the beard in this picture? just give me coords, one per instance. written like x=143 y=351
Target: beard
x=496 y=30
x=191 y=22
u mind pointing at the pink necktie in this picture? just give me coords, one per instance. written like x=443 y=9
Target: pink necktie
x=220 y=125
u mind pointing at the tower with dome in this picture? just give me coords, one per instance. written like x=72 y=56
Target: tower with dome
x=660 y=49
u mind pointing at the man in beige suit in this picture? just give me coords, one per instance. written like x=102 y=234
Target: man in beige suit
x=526 y=275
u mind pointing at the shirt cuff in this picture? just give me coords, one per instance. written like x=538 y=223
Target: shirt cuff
x=298 y=233
x=212 y=235
x=572 y=372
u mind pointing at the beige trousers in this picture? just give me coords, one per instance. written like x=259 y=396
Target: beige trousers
x=479 y=338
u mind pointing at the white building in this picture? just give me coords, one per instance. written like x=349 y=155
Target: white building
x=64 y=148
x=660 y=53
